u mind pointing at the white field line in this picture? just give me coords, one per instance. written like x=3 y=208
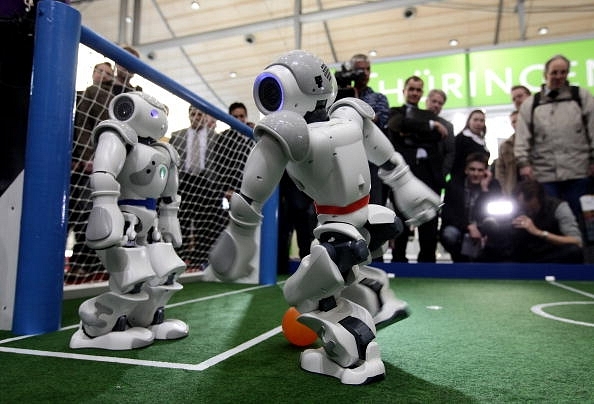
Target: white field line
x=171 y=365
x=158 y=364
x=539 y=308
x=581 y=292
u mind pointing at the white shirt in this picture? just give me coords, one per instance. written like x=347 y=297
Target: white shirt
x=196 y=150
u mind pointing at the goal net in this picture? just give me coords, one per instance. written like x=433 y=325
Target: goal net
x=205 y=185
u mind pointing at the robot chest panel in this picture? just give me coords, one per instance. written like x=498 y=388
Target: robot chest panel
x=337 y=168
x=145 y=172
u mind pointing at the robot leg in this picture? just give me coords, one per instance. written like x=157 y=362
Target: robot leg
x=151 y=313
x=104 y=319
x=347 y=330
x=104 y=323
x=317 y=277
x=349 y=350
x=373 y=292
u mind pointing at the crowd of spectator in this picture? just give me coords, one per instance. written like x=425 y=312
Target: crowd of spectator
x=542 y=169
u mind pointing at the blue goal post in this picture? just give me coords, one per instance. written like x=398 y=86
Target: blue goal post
x=44 y=220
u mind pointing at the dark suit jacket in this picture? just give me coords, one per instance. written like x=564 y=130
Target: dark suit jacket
x=409 y=129
x=179 y=140
x=447 y=147
x=92 y=108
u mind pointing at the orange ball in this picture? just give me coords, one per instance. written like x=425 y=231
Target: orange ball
x=295 y=332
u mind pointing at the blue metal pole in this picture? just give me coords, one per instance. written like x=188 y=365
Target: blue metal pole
x=40 y=277
x=268 y=240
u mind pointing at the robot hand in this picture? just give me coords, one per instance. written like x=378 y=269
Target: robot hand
x=105 y=227
x=414 y=199
x=231 y=255
x=130 y=223
x=169 y=222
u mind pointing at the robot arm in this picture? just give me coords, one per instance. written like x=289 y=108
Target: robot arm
x=377 y=146
x=234 y=249
x=414 y=199
x=168 y=221
x=278 y=144
x=106 y=222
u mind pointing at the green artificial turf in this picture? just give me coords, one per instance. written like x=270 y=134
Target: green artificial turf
x=465 y=341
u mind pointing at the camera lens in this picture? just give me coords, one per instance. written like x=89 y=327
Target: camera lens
x=270 y=94
x=123 y=108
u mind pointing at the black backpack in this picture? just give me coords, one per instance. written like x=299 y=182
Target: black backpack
x=575 y=96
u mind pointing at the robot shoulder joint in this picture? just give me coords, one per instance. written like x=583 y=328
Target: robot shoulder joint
x=125 y=132
x=289 y=129
x=170 y=151
x=363 y=108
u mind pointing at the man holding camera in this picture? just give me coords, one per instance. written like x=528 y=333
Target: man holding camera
x=546 y=229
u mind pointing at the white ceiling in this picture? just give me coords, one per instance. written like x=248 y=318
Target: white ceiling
x=199 y=48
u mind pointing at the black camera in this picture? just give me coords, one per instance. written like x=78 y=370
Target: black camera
x=347 y=76
x=498 y=216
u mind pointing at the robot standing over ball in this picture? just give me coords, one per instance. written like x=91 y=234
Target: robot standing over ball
x=133 y=227
x=325 y=146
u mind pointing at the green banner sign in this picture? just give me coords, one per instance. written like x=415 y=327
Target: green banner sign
x=484 y=78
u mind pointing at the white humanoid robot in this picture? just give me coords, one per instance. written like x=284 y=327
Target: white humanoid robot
x=325 y=148
x=133 y=226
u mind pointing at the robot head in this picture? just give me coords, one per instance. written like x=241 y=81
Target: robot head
x=298 y=81
x=141 y=112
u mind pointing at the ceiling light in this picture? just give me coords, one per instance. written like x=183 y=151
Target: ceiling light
x=232 y=74
x=543 y=30
x=453 y=42
x=128 y=19
x=195 y=5
x=372 y=53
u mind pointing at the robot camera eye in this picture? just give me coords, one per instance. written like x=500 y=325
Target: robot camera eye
x=123 y=108
x=270 y=94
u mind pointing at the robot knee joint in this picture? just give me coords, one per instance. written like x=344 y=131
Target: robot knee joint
x=346 y=254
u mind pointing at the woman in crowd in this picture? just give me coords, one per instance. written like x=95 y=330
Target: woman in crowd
x=470 y=140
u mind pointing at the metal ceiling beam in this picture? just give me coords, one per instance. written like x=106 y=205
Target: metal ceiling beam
x=297 y=24
x=136 y=18
x=328 y=36
x=122 y=26
x=316 y=16
x=498 y=23
x=521 y=10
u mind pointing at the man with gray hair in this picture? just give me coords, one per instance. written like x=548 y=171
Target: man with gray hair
x=555 y=136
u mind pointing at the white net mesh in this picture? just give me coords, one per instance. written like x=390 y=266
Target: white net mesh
x=203 y=212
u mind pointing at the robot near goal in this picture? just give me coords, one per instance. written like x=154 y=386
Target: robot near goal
x=325 y=147
x=133 y=227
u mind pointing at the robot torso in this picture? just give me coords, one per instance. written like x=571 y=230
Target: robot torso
x=145 y=173
x=336 y=170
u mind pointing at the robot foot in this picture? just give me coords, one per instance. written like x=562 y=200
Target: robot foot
x=169 y=329
x=371 y=370
x=135 y=337
x=392 y=311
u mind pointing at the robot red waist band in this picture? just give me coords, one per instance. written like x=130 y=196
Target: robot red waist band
x=149 y=203
x=342 y=210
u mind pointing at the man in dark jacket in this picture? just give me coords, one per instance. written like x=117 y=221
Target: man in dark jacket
x=463 y=231
x=546 y=229
x=416 y=134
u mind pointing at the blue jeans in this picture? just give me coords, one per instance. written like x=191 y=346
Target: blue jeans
x=570 y=191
